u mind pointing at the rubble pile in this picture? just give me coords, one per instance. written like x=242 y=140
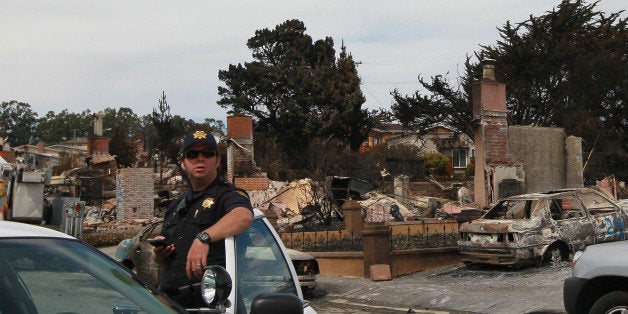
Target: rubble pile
x=299 y=205
x=380 y=208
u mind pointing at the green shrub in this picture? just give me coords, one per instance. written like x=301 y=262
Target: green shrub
x=470 y=171
x=436 y=161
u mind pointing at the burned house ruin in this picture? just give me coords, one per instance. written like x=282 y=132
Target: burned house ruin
x=512 y=160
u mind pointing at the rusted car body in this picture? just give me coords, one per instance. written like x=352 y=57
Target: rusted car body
x=541 y=227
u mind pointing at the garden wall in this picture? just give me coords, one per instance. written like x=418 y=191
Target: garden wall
x=415 y=246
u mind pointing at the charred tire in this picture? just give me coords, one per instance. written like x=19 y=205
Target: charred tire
x=615 y=302
x=554 y=255
x=539 y=261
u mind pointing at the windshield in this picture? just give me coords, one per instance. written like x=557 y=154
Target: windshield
x=261 y=266
x=46 y=275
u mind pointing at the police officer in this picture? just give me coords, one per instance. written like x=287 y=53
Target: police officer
x=196 y=225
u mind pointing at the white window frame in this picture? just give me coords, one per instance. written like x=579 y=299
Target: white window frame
x=455 y=156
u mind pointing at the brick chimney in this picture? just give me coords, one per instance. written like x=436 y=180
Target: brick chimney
x=98 y=144
x=240 y=144
x=497 y=173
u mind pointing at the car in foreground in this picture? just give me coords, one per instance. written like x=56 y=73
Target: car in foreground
x=46 y=271
x=258 y=273
x=599 y=281
x=541 y=228
x=135 y=253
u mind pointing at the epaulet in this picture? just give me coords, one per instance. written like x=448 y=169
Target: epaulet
x=242 y=192
x=233 y=188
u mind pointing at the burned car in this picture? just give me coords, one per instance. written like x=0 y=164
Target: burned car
x=135 y=254
x=541 y=227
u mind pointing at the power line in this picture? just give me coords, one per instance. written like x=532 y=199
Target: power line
x=391 y=83
x=377 y=100
x=442 y=57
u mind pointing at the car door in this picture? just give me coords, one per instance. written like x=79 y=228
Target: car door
x=607 y=217
x=574 y=225
x=263 y=266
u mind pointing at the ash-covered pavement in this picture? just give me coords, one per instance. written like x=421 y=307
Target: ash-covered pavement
x=455 y=289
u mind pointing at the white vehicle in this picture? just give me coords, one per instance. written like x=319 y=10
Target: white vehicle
x=599 y=281
x=261 y=271
x=45 y=271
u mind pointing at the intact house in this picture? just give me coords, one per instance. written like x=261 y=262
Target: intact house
x=459 y=148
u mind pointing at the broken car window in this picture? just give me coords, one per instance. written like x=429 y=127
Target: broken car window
x=555 y=209
x=571 y=207
x=511 y=209
x=596 y=204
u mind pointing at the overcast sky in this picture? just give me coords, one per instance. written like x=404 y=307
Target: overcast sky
x=79 y=54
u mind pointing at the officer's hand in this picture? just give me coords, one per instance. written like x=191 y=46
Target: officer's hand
x=197 y=259
x=161 y=252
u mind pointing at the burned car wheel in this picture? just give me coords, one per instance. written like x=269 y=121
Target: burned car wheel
x=553 y=256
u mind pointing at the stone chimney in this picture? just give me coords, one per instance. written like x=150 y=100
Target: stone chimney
x=497 y=173
x=98 y=123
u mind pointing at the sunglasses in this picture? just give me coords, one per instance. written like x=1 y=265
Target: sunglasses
x=207 y=153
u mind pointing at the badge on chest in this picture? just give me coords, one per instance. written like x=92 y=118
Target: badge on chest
x=208 y=203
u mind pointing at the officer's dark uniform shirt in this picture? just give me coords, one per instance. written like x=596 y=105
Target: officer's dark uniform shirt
x=186 y=217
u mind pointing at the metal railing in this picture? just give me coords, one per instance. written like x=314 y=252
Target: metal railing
x=429 y=239
x=344 y=241
x=323 y=241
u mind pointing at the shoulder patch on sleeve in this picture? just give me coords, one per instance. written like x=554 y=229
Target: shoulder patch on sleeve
x=242 y=192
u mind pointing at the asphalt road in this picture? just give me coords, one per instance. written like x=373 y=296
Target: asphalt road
x=455 y=289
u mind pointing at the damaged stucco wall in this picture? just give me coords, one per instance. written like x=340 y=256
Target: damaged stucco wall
x=573 y=149
x=551 y=160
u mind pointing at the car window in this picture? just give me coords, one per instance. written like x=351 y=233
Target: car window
x=569 y=207
x=65 y=276
x=261 y=265
x=512 y=209
x=596 y=204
